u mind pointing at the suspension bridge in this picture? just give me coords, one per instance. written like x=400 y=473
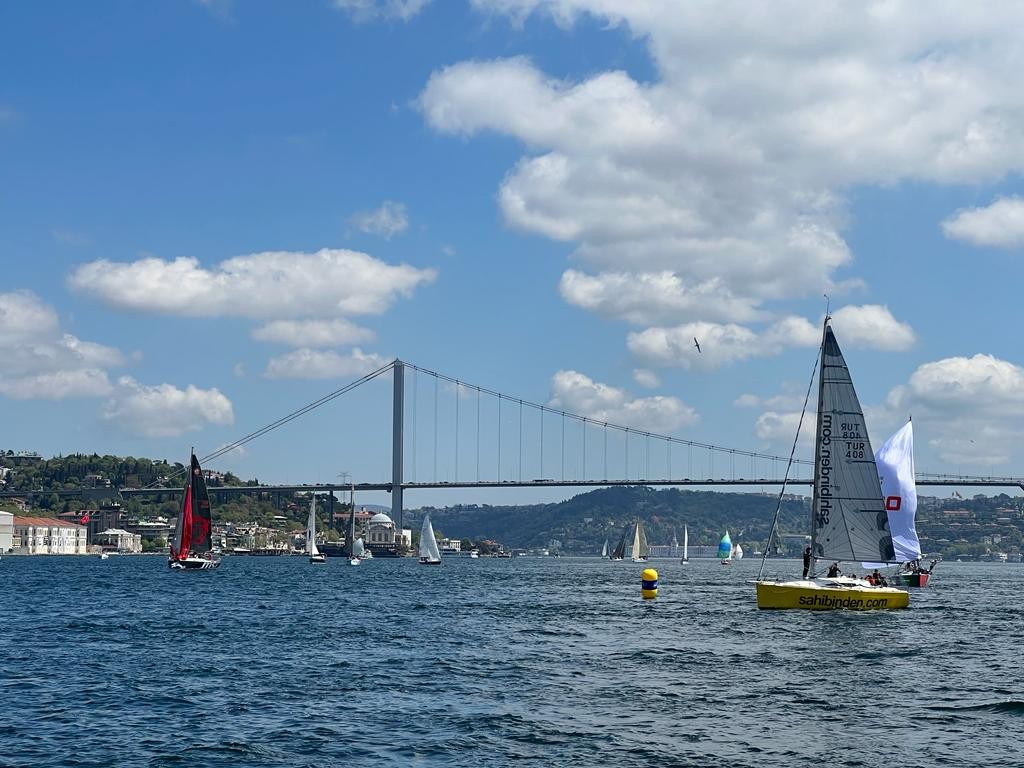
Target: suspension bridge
x=495 y=440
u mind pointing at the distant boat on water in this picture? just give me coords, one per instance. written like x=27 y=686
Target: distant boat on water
x=686 y=545
x=315 y=556
x=429 y=553
x=640 y=549
x=725 y=549
x=604 y=549
x=619 y=553
x=737 y=552
x=192 y=546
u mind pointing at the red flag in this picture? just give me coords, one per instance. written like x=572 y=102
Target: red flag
x=84 y=520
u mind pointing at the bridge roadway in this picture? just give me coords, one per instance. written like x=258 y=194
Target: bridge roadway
x=106 y=493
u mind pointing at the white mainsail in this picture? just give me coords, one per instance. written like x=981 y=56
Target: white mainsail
x=428 y=544
x=686 y=543
x=311 y=549
x=604 y=549
x=848 y=519
x=737 y=552
x=640 y=548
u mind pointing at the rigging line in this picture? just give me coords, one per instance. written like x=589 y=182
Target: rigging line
x=619 y=427
x=285 y=419
x=785 y=479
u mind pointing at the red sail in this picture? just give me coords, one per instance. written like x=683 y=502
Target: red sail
x=185 y=526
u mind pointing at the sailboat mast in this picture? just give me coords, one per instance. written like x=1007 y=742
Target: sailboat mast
x=352 y=520
x=816 y=496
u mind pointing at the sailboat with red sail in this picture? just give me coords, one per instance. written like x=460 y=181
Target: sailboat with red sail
x=192 y=546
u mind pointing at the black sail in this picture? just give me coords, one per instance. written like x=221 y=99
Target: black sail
x=202 y=540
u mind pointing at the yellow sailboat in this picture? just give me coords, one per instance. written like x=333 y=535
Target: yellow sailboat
x=848 y=517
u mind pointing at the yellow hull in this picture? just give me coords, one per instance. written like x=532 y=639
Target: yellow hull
x=811 y=596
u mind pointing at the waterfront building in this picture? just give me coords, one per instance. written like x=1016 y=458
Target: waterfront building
x=6 y=531
x=380 y=536
x=119 y=540
x=48 y=536
x=450 y=546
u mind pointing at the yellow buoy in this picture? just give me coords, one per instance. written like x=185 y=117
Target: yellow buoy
x=649 y=583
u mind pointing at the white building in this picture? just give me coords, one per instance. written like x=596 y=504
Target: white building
x=46 y=536
x=450 y=546
x=119 y=540
x=6 y=531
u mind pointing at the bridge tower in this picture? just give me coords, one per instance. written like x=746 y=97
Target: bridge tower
x=397 y=442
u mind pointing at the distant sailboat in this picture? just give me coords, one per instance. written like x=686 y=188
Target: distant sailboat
x=192 y=547
x=686 y=544
x=737 y=552
x=640 y=548
x=315 y=555
x=619 y=553
x=848 y=517
x=354 y=556
x=725 y=549
x=429 y=553
x=604 y=549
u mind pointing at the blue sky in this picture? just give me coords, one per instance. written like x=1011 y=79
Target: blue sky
x=213 y=213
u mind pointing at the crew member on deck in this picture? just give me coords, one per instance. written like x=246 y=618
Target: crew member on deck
x=807 y=561
x=833 y=570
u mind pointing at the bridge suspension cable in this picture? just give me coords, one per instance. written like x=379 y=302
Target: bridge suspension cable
x=584 y=422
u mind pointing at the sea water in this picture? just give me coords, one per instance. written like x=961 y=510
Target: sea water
x=495 y=662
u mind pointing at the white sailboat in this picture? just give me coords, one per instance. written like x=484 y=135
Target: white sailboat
x=737 y=552
x=604 y=549
x=640 y=548
x=686 y=545
x=429 y=553
x=315 y=555
x=848 y=518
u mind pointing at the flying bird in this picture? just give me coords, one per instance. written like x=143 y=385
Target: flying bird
x=696 y=344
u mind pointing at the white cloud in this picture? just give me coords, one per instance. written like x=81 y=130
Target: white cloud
x=727 y=172
x=322 y=364
x=726 y=343
x=276 y=285
x=646 y=378
x=387 y=221
x=37 y=361
x=579 y=394
x=970 y=410
x=1001 y=224
x=313 y=333
x=655 y=297
x=367 y=10
x=56 y=385
x=165 y=410
x=24 y=318
x=871 y=326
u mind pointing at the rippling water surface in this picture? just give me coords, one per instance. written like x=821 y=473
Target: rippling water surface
x=531 y=661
